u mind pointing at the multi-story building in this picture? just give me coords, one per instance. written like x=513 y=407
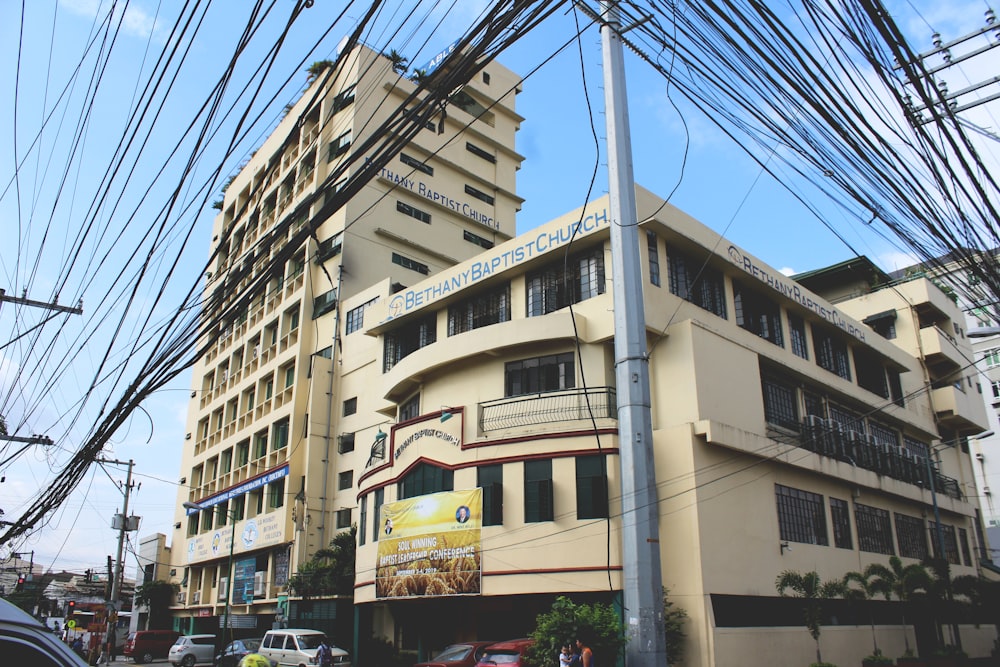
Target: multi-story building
x=152 y=564
x=790 y=433
x=266 y=463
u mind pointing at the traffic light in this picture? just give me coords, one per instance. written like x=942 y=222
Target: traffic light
x=20 y=583
x=70 y=609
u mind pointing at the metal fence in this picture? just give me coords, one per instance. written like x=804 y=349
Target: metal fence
x=548 y=407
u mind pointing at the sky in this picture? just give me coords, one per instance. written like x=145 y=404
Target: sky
x=41 y=217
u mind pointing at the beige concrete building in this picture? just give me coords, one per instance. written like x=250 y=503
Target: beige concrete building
x=267 y=450
x=789 y=434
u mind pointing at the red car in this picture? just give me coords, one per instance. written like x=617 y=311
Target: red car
x=462 y=654
x=508 y=653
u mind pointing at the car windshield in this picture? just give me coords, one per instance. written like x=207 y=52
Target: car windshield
x=251 y=644
x=453 y=653
x=501 y=658
x=310 y=640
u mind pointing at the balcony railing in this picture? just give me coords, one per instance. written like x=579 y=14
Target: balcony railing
x=548 y=407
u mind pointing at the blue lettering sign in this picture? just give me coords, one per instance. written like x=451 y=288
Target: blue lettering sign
x=245 y=487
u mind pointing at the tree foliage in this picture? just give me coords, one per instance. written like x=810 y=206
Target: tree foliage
x=330 y=571
x=157 y=596
x=398 y=60
x=813 y=591
x=317 y=68
x=673 y=623
x=598 y=625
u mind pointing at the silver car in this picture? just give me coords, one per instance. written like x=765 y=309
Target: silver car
x=192 y=650
x=25 y=641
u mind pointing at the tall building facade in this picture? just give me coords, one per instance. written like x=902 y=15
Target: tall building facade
x=267 y=470
x=790 y=433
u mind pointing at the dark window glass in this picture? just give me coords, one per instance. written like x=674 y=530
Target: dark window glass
x=831 y=352
x=840 y=514
x=345 y=480
x=479 y=194
x=377 y=512
x=801 y=515
x=407 y=339
x=413 y=212
x=757 y=314
x=911 y=536
x=490 y=479
x=654 y=257
x=280 y=439
x=345 y=443
x=331 y=247
x=355 y=318
x=425 y=479
x=538 y=491
x=874 y=529
x=410 y=409
x=343 y=518
x=363 y=521
x=871 y=373
x=479 y=152
x=963 y=542
x=324 y=303
x=565 y=282
x=477 y=240
x=416 y=164
x=950 y=545
x=410 y=264
x=695 y=281
x=895 y=387
x=539 y=374
x=780 y=404
x=351 y=406
x=480 y=310
x=591 y=488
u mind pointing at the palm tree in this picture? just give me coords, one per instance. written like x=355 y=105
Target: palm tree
x=398 y=60
x=812 y=591
x=901 y=581
x=870 y=584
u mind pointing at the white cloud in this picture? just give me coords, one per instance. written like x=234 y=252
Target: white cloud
x=136 y=22
x=787 y=271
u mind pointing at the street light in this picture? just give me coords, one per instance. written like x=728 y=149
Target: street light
x=227 y=621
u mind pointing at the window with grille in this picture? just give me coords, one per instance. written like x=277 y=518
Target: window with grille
x=874 y=529
x=407 y=339
x=695 y=281
x=653 y=253
x=780 y=403
x=410 y=409
x=481 y=310
x=355 y=318
x=565 y=282
x=757 y=314
x=345 y=480
x=883 y=435
x=840 y=516
x=911 y=535
x=345 y=443
x=538 y=491
x=426 y=479
x=343 y=518
x=539 y=374
x=831 y=352
x=801 y=515
x=950 y=545
x=591 y=488
x=490 y=479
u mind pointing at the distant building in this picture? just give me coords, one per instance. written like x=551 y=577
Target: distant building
x=153 y=565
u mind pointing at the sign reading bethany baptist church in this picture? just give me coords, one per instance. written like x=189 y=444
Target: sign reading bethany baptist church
x=431 y=545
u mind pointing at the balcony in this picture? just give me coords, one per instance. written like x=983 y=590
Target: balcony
x=959 y=410
x=941 y=353
x=548 y=408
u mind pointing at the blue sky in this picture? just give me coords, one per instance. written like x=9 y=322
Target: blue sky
x=721 y=187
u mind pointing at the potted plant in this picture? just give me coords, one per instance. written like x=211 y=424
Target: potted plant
x=876 y=659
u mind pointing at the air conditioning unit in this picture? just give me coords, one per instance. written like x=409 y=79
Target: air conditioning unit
x=258 y=583
x=223 y=588
x=196 y=597
x=182 y=597
x=256 y=351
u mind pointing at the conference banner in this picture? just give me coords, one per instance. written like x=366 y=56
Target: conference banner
x=431 y=546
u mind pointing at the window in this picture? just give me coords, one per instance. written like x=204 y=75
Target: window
x=356 y=317
x=324 y=303
x=490 y=479
x=410 y=264
x=874 y=529
x=911 y=536
x=562 y=283
x=413 y=212
x=479 y=194
x=407 y=339
x=242 y=453
x=410 y=409
x=260 y=444
x=479 y=152
x=797 y=334
x=653 y=253
x=239 y=507
x=340 y=145
x=840 y=514
x=276 y=493
x=781 y=406
x=331 y=247
x=696 y=282
x=289 y=375
x=801 y=516
x=345 y=443
x=871 y=374
x=884 y=324
x=279 y=435
x=377 y=512
x=539 y=374
x=757 y=314
x=416 y=164
x=425 y=479
x=481 y=310
x=963 y=539
x=591 y=488
x=363 y=522
x=227 y=460
x=343 y=100
x=992 y=357
x=343 y=518
x=345 y=480
x=538 y=491
x=486 y=78
x=950 y=546
x=831 y=353
x=475 y=239
x=350 y=406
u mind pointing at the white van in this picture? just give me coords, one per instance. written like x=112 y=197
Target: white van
x=293 y=647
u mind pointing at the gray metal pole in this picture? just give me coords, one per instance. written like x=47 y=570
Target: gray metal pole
x=643 y=595
x=116 y=585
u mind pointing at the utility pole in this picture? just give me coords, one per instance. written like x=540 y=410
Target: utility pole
x=643 y=584
x=122 y=523
x=24 y=301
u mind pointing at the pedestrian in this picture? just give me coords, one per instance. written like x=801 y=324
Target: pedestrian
x=565 y=656
x=324 y=656
x=586 y=655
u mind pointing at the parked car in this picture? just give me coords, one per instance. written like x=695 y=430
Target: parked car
x=25 y=641
x=192 y=650
x=508 y=653
x=464 y=654
x=235 y=650
x=294 y=647
x=148 y=645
